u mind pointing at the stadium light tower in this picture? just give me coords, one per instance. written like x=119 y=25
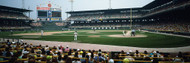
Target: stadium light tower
x=71 y=4
x=29 y=12
x=23 y=4
x=109 y=4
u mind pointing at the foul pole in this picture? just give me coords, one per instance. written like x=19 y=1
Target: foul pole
x=23 y=3
x=71 y=4
x=131 y=18
x=109 y=4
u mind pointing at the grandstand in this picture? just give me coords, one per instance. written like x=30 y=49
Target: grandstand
x=14 y=19
x=98 y=15
x=171 y=17
x=165 y=16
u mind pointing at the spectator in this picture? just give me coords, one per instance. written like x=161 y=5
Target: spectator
x=99 y=58
x=111 y=61
x=99 y=51
x=84 y=54
x=128 y=59
x=92 y=54
x=76 y=54
x=46 y=48
x=137 y=52
x=180 y=55
x=67 y=49
x=43 y=50
x=145 y=52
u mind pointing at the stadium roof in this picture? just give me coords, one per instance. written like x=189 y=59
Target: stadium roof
x=104 y=10
x=13 y=9
x=155 y=3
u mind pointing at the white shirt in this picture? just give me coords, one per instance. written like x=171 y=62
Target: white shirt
x=133 y=30
x=75 y=33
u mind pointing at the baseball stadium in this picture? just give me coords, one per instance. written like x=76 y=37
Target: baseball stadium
x=158 y=32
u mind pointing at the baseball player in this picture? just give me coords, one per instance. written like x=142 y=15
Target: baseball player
x=75 y=35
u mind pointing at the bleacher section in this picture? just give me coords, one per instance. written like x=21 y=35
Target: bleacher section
x=21 y=52
x=44 y=25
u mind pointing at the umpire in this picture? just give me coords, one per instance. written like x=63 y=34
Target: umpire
x=133 y=32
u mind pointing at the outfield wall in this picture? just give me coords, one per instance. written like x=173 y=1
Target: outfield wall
x=45 y=25
x=100 y=28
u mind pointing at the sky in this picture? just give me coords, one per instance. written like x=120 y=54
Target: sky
x=78 y=5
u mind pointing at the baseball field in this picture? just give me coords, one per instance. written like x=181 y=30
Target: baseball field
x=105 y=37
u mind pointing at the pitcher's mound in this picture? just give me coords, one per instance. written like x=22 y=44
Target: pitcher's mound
x=94 y=36
x=127 y=36
x=93 y=32
x=31 y=36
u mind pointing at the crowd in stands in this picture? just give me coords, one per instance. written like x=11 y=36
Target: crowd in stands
x=160 y=8
x=90 y=26
x=166 y=6
x=13 y=15
x=101 y=16
x=36 y=24
x=19 y=52
x=60 y=24
x=173 y=27
x=24 y=27
x=178 y=27
x=13 y=21
x=105 y=26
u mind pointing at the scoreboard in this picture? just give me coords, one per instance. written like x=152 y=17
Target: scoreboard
x=49 y=14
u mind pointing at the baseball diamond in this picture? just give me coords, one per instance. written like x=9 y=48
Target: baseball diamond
x=110 y=31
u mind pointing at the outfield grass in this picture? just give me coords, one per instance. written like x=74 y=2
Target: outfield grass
x=151 y=41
